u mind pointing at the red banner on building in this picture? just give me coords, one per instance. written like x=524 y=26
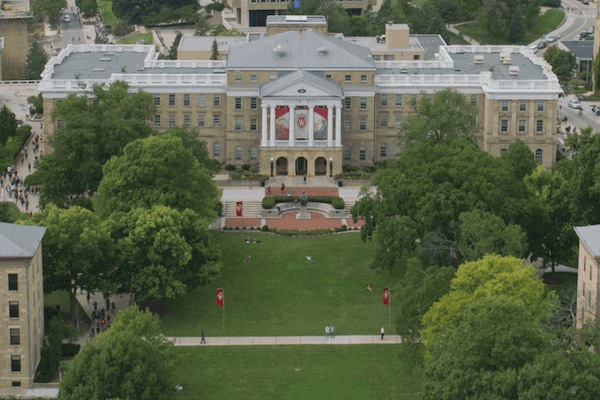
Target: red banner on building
x=386 y=295
x=238 y=209
x=220 y=297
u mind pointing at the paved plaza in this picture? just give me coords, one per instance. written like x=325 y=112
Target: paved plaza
x=286 y=340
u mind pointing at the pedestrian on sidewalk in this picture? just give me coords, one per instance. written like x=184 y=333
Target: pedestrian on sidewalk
x=203 y=337
x=282 y=184
x=107 y=304
x=332 y=332
x=382 y=332
x=92 y=334
x=305 y=179
x=88 y=297
x=95 y=305
x=289 y=192
x=29 y=166
x=327 y=332
x=269 y=190
x=114 y=307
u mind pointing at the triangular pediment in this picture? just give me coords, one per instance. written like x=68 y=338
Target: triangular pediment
x=301 y=84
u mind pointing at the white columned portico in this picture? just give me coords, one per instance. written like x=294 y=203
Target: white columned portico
x=311 y=125
x=330 y=126
x=264 y=126
x=292 y=125
x=338 y=126
x=272 y=126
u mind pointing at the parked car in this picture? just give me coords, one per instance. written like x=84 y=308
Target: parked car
x=583 y=34
x=596 y=110
x=552 y=39
x=585 y=1
x=575 y=104
x=542 y=45
x=67 y=18
x=591 y=30
x=577 y=38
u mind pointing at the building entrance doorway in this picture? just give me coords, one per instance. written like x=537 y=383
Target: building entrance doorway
x=320 y=166
x=301 y=166
x=282 y=166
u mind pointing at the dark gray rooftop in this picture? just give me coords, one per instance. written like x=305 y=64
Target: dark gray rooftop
x=98 y=65
x=583 y=49
x=20 y=240
x=590 y=235
x=299 y=50
x=431 y=44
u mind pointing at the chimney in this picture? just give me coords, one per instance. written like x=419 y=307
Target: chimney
x=479 y=59
x=513 y=70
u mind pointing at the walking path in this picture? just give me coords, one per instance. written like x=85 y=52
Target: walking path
x=279 y=340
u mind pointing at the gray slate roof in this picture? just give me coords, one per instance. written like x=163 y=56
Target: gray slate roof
x=300 y=50
x=278 y=84
x=98 y=65
x=20 y=240
x=590 y=235
x=583 y=49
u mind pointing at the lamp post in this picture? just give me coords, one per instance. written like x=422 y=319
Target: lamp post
x=271 y=167
x=330 y=167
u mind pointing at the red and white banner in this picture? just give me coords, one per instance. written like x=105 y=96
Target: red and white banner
x=220 y=297
x=386 y=295
x=238 y=208
x=300 y=119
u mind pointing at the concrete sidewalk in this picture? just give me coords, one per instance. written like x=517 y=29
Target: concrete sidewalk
x=279 y=340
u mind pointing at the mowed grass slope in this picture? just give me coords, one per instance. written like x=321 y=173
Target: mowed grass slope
x=279 y=293
x=269 y=372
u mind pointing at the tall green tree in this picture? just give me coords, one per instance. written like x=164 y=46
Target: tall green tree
x=8 y=124
x=516 y=27
x=91 y=135
x=36 y=61
x=173 y=50
x=520 y=159
x=89 y=8
x=157 y=171
x=215 y=51
x=37 y=104
x=562 y=62
x=77 y=250
x=190 y=141
x=50 y=9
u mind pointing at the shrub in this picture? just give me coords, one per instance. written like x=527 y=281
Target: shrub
x=33 y=179
x=252 y=169
x=349 y=168
x=69 y=349
x=230 y=167
x=237 y=228
x=243 y=228
x=343 y=228
x=246 y=167
x=49 y=313
x=218 y=207
x=13 y=146
x=551 y=3
x=338 y=203
x=122 y=28
x=370 y=169
x=265 y=228
x=213 y=165
x=268 y=202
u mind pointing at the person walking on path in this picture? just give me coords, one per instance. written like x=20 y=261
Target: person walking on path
x=88 y=297
x=95 y=305
x=269 y=190
x=382 y=332
x=332 y=332
x=203 y=337
x=327 y=332
x=282 y=186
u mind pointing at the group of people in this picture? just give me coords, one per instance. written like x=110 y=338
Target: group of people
x=330 y=332
x=101 y=317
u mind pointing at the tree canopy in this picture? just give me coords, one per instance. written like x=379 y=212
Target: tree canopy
x=562 y=62
x=36 y=61
x=8 y=124
x=134 y=11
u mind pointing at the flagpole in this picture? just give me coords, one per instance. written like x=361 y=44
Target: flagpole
x=223 y=308
x=390 y=305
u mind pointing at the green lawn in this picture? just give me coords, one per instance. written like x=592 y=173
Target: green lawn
x=279 y=293
x=269 y=372
x=105 y=7
x=61 y=297
x=544 y=24
x=134 y=39
x=455 y=39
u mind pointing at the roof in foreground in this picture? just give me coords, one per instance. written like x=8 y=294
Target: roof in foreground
x=20 y=240
x=98 y=65
x=590 y=235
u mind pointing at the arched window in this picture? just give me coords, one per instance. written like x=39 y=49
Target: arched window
x=238 y=154
x=539 y=156
x=216 y=150
x=253 y=154
x=503 y=152
x=383 y=152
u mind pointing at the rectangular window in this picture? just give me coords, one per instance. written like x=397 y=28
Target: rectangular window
x=348 y=103
x=187 y=119
x=253 y=124
x=398 y=100
x=505 y=106
x=15 y=337
x=383 y=152
x=347 y=124
x=384 y=100
x=254 y=154
x=60 y=123
x=238 y=78
x=540 y=106
x=217 y=150
x=522 y=106
x=238 y=154
x=216 y=100
x=95 y=102
x=172 y=120
x=16 y=384
x=253 y=103
x=13 y=282
x=216 y=120
x=504 y=126
x=201 y=100
x=416 y=56
x=363 y=103
x=13 y=309
x=413 y=100
x=186 y=99
x=389 y=57
x=363 y=78
x=522 y=125
x=383 y=120
x=157 y=99
x=157 y=120
x=347 y=154
x=238 y=124
x=238 y=103
x=201 y=121
x=363 y=124
x=15 y=363
x=473 y=99
x=539 y=126
x=253 y=78
x=348 y=78
x=398 y=121
x=171 y=100
x=362 y=155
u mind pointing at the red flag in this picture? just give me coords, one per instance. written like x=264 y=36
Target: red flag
x=220 y=297
x=386 y=295
x=238 y=208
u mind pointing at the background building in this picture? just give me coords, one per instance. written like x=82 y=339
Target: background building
x=22 y=299
x=14 y=16
x=588 y=273
x=310 y=102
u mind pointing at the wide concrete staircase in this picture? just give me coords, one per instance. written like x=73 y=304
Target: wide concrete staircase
x=251 y=209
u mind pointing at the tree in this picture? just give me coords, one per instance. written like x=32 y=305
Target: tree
x=562 y=62
x=190 y=141
x=202 y=26
x=173 y=50
x=491 y=276
x=520 y=159
x=163 y=252
x=8 y=124
x=481 y=357
x=145 y=176
x=215 y=51
x=88 y=8
x=37 y=104
x=91 y=135
x=77 y=250
x=440 y=118
x=36 y=61
x=516 y=30
x=134 y=11
x=129 y=361
x=338 y=20
x=51 y=9
x=491 y=19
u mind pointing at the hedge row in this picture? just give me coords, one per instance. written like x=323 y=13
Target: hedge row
x=13 y=146
x=336 y=202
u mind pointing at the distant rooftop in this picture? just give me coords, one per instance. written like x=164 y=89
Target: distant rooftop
x=20 y=240
x=204 y=43
x=590 y=235
x=296 y=19
x=583 y=49
x=430 y=43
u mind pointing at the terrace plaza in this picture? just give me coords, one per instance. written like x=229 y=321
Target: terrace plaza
x=307 y=102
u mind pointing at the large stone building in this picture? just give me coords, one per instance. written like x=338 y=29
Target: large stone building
x=14 y=17
x=345 y=96
x=588 y=276
x=22 y=298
